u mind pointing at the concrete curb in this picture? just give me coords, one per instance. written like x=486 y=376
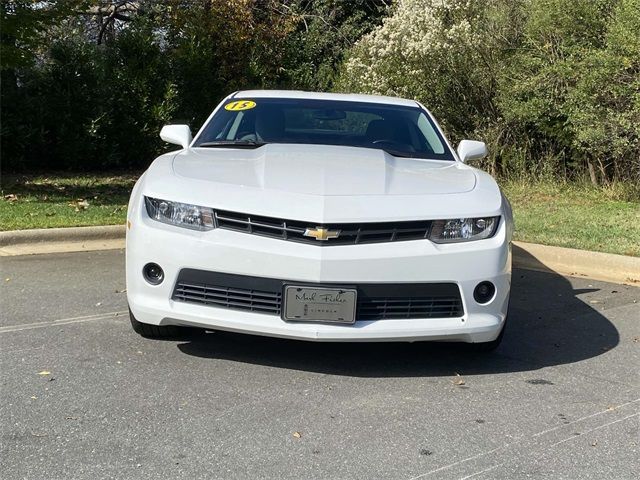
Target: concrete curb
x=58 y=240
x=577 y=263
x=72 y=234
x=565 y=261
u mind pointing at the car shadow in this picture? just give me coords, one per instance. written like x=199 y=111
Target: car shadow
x=100 y=189
x=548 y=325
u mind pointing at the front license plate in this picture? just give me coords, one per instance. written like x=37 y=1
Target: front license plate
x=324 y=305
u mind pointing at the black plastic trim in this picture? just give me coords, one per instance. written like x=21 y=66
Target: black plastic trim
x=349 y=233
x=375 y=300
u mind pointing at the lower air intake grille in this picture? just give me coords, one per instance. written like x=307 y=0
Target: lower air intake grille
x=376 y=301
x=227 y=297
x=410 y=307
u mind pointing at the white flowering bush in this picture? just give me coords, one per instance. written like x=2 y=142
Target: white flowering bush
x=433 y=51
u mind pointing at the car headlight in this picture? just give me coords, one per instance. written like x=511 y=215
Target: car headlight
x=180 y=214
x=463 y=229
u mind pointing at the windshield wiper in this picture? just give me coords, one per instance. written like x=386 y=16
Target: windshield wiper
x=232 y=144
x=398 y=153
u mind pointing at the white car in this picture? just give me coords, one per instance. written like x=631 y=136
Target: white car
x=319 y=216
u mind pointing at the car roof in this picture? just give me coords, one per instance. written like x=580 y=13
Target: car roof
x=344 y=97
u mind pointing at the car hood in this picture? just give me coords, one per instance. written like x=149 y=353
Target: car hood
x=323 y=170
x=322 y=184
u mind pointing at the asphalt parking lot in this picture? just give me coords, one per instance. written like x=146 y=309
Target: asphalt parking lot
x=83 y=397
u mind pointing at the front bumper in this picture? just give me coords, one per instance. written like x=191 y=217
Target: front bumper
x=421 y=261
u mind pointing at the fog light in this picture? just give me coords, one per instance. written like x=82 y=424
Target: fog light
x=153 y=273
x=484 y=292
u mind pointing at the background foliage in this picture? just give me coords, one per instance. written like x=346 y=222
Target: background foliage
x=552 y=85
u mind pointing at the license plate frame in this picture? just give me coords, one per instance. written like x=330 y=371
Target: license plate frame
x=311 y=304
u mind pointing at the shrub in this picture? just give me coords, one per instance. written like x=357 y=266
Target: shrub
x=551 y=85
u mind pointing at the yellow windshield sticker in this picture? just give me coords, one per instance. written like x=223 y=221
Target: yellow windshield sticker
x=239 y=105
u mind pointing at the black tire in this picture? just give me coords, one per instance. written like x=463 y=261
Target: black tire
x=154 y=331
x=488 y=347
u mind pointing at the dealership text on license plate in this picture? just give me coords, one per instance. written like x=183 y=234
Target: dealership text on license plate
x=324 y=305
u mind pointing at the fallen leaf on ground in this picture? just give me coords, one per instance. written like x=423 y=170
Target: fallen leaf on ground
x=44 y=372
x=79 y=204
x=297 y=434
x=11 y=198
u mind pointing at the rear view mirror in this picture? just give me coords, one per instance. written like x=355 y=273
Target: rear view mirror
x=178 y=134
x=471 y=150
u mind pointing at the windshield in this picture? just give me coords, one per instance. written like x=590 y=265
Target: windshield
x=399 y=130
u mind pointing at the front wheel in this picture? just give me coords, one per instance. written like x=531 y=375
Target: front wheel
x=155 y=331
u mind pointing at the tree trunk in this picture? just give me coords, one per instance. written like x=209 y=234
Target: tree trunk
x=592 y=173
x=604 y=174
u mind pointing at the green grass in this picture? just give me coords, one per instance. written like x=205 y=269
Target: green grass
x=58 y=200
x=574 y=215
x=577 y=215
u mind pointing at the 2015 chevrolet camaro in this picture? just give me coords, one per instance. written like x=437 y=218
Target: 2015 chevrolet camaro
x=318 y=216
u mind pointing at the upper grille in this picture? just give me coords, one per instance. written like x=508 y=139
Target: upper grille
x=350 y=233
x=376 y=301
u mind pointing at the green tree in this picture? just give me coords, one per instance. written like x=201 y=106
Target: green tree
x=113 y=72
x=24 y=25
x=325 y=30
x=539 y=78
x=604 y=107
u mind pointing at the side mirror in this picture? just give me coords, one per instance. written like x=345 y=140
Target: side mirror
x=472 y=150
x=178 y=134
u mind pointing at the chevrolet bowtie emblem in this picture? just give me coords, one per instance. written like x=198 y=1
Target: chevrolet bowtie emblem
x=322 y=234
